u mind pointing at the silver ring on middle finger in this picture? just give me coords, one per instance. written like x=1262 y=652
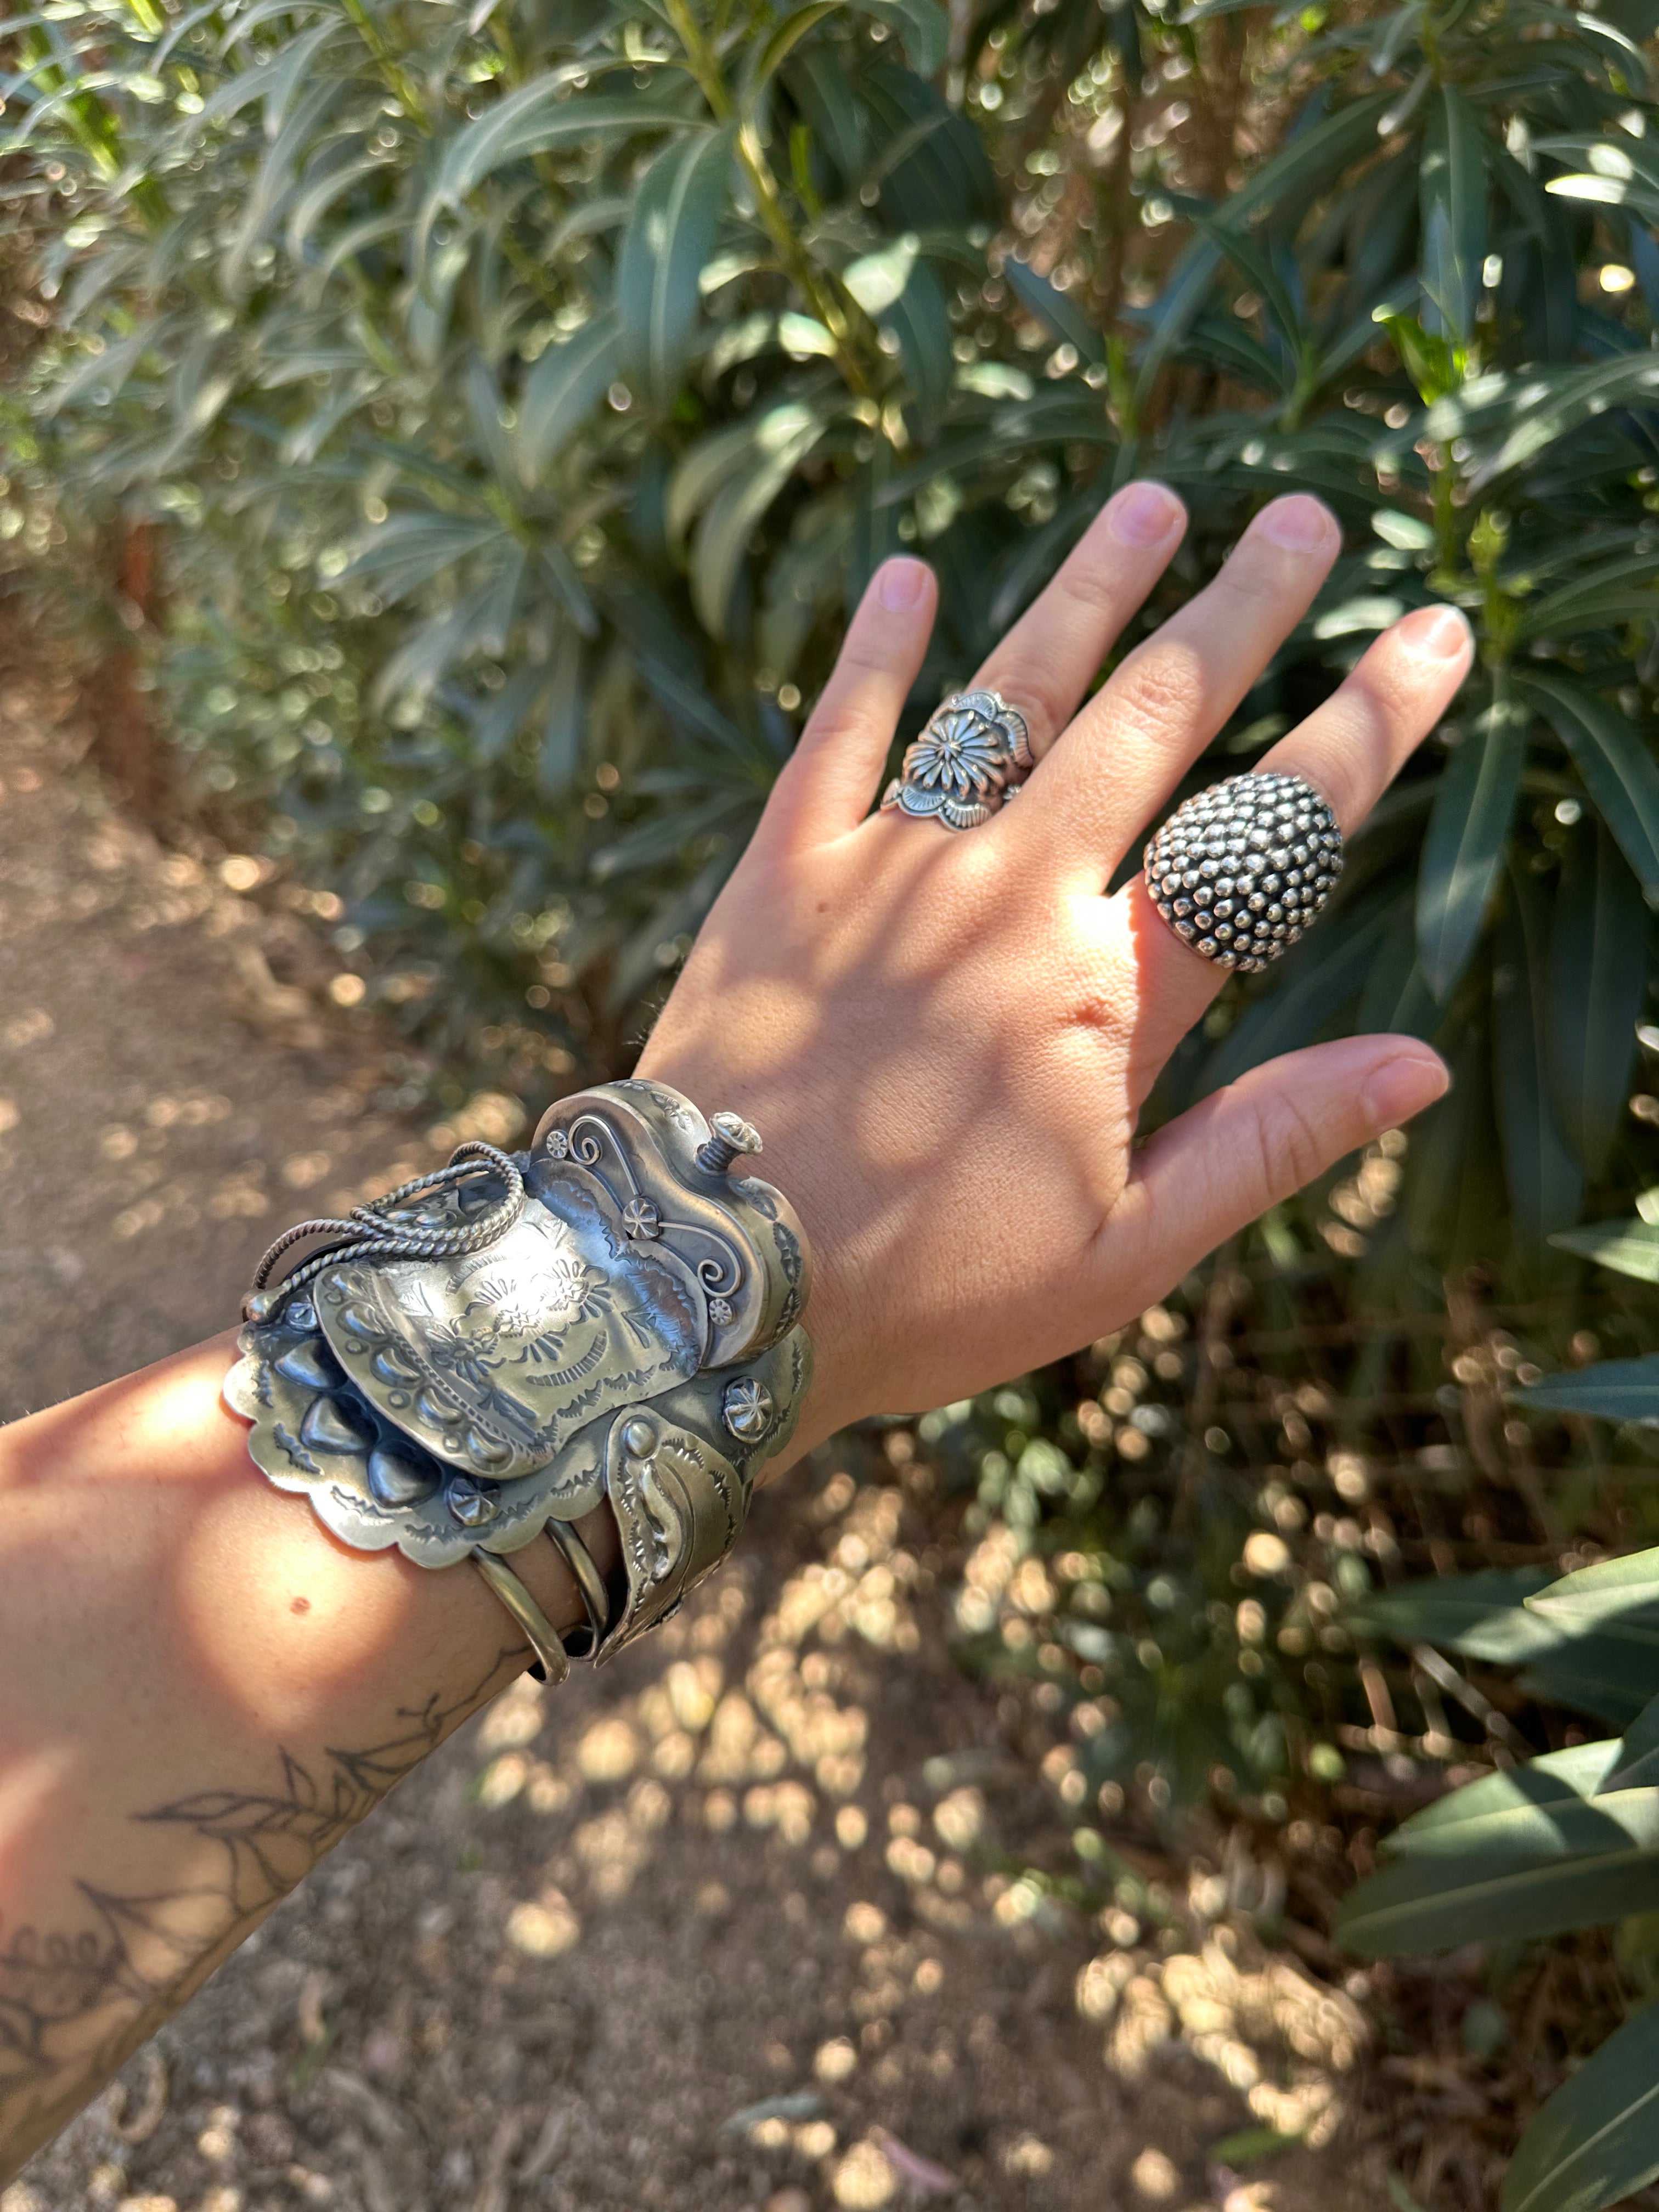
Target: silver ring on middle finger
x=1241 y=869
x=973 y=754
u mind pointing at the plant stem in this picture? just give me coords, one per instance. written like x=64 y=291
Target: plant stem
x=840 y=315
x=398 y=79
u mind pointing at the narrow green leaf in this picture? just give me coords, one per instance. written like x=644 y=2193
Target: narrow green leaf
x=1637 y=1763
x=1596 y=2142
x=930 y=169
x=268 y=191
x=1453 y=194
x=1463 y=848
x=714 y=460
x=1632 y=1248
x=1616 y=1389
x=432 y=648
x=1597 y=980
x=410 y=550
x=562 y=389
x=1397 y=999
x=1546 y=1182
x=1528 y=1852
x=722 y=536
x=920 y=319
x=535 y=119
x=873 y=534
x=484 y=406
x=1057 y=309
x=1597 y=597
x=785 y=37
x=558 y=754
x=840 y=120
x=106 y=372
x=670 y=235
x=1613 y=1591
x=507 y=711
x=1618 y=769
x=318 y=197
x=877 y=280
x=1538 y=1795
x=1620 y=172
x=923 y=27
x=1312 y=153
x=1610 y=1675
x=1544 y=409
x=1483 y=1615
x=1429 y=1903
x=1252 y=258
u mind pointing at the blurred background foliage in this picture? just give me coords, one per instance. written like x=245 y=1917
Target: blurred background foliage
x=516 y=398
x=477 y=423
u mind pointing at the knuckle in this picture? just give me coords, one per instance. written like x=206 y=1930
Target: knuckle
x=1383 y=699
x=847 y=714
x=1248 y=578
x=1161 y=683
x=860 y=659
x=1038 y=694
x=829 y=729
x=1289 y=1150
x=1093 y=590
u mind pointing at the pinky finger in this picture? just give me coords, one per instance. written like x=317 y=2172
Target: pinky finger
x=831 y=778
x=1226 y=1160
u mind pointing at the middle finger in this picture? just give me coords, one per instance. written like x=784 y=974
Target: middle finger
x=1088 y=799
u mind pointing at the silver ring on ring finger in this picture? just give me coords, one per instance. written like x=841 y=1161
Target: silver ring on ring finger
x=973 y=754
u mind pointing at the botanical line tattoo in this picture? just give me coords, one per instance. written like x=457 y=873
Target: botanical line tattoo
x=74 y=2005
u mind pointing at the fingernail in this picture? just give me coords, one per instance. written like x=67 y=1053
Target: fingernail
x=1404 y=1086
x=1143 y=514
x=1436 y=632
x=902 y=584
x=1299 y=523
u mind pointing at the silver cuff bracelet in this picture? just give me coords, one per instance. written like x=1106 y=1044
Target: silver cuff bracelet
x=493 y=1351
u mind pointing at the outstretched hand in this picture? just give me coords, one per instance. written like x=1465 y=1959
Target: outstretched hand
x=945 y=1039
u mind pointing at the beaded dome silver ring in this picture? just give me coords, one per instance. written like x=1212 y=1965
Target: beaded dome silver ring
x=1241 y=870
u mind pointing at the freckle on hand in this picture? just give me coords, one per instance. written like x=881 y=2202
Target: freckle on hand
x=299 y=1605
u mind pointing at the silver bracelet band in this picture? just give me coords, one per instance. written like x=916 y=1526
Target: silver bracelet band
x=497 y=1350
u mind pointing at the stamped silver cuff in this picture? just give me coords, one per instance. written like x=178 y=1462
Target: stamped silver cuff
x=612 y=1318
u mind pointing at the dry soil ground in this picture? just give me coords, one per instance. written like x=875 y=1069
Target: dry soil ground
x=737 y=1925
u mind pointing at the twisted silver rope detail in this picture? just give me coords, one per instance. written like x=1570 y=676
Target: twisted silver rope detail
x=366 y=1234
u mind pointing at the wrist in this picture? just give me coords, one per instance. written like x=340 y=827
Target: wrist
x=792 y=1159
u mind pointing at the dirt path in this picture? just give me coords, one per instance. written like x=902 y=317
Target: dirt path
x=738 y=1924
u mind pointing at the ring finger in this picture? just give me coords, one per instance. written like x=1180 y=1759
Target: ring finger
x=1164 y=701
x=1349 y=749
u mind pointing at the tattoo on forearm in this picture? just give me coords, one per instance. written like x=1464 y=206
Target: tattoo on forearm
x=74 y=2004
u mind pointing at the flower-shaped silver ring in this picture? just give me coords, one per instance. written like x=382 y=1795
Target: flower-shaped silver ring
x=974 y=750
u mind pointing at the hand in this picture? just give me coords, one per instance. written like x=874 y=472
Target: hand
x=945 y=1038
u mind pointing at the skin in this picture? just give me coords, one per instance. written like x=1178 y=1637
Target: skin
x=946 y=1040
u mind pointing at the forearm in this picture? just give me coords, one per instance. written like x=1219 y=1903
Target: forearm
x=200 y=1691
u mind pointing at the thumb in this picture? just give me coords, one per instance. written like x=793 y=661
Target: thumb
x=1226 y=1160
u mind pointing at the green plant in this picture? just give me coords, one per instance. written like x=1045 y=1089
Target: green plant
x=525 y=392
x=1565 y=1842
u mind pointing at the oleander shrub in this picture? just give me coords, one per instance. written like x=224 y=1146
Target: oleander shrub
x=1568 y=1841
x=517 y=395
